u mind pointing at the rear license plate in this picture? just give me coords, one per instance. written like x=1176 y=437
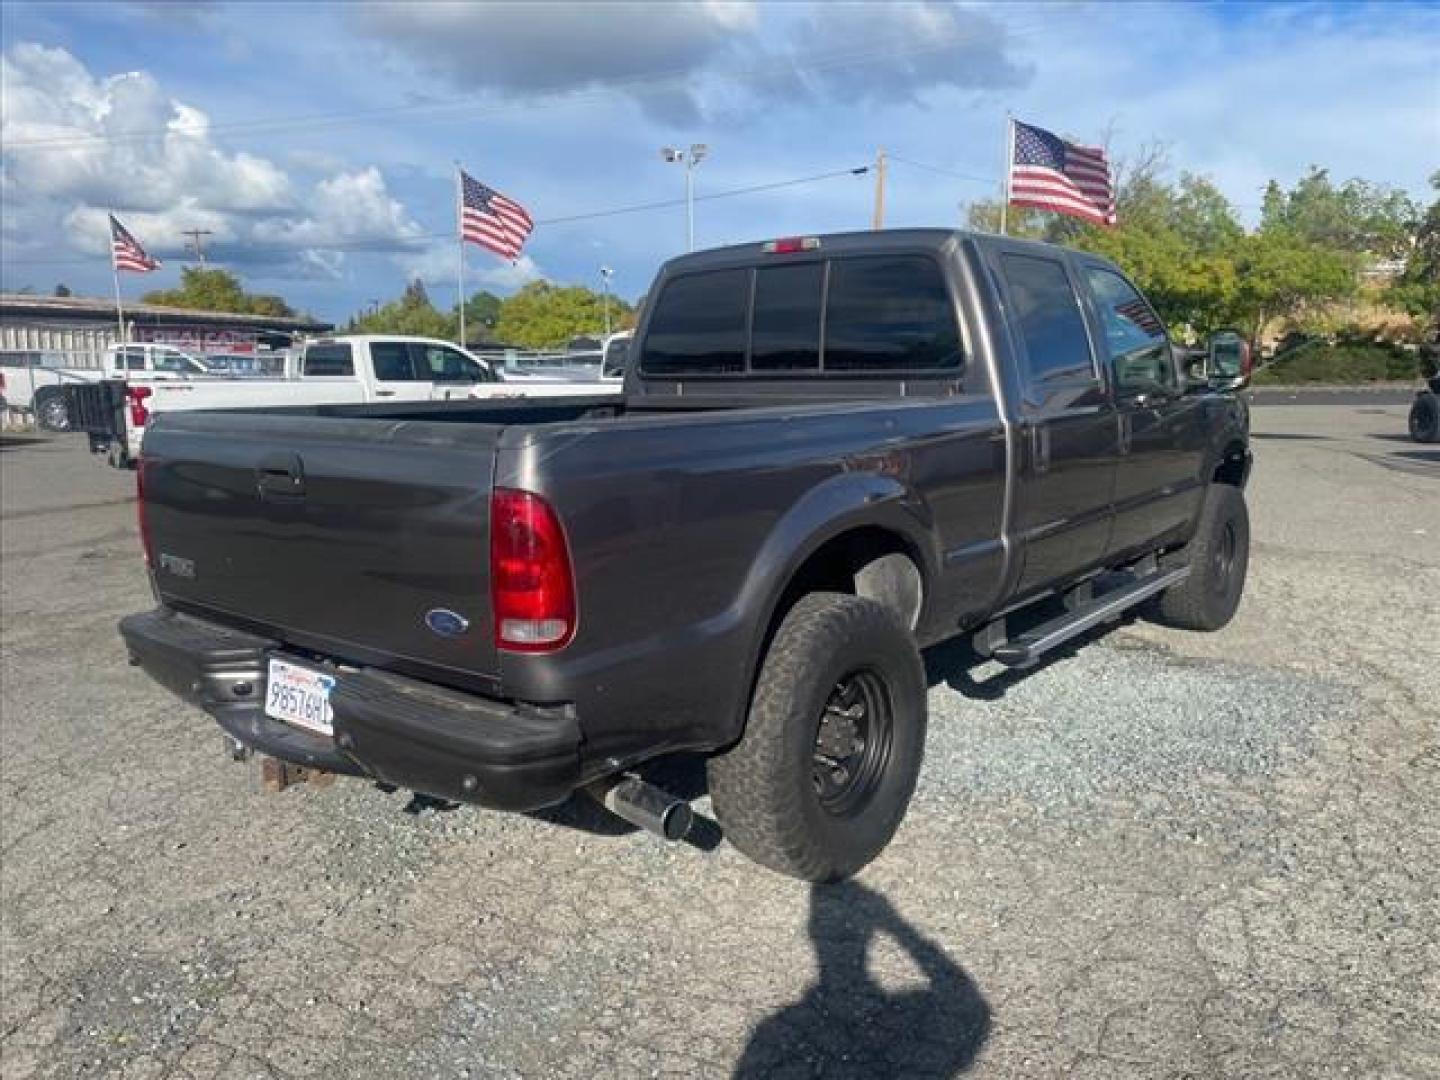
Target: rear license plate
x=300 y=696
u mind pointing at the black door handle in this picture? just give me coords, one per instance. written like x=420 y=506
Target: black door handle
x=280 y=476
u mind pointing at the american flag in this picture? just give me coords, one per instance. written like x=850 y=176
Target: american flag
x=126 y=252
x=1139 y=313
x=1049 y=173
x=491 y=220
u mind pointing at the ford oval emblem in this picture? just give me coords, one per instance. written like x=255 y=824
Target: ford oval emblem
x=445 y=622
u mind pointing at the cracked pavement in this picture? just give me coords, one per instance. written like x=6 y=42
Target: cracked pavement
x=1160 y=855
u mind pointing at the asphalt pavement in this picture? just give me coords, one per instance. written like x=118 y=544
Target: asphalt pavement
x=1159 y=855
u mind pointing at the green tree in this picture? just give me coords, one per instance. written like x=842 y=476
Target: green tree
x=411 y=314
x=1356 y=216
x=1418 y=289
x=482 y=312
x=1203 y=216
x=212 y=289
x=983 y=215
x=1176 y=242
x=544 y=315
x=63 y=290
x=1278 y=276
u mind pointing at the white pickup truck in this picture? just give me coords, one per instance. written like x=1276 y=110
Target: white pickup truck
x=32 y=380
x=325 y=371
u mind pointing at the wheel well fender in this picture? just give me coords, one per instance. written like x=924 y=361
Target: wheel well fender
x=864 y=533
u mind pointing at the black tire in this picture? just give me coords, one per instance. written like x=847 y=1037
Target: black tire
x=1218 y=556
x=814 y=816
x=52 y=411
x=1425 y=418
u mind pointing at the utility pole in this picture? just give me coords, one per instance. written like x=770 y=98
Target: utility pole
x=196 y=244
x=878 y=221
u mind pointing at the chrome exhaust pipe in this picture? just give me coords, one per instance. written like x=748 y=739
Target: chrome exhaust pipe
x=645 y=805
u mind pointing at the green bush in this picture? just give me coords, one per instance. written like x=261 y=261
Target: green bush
x=1341 y=365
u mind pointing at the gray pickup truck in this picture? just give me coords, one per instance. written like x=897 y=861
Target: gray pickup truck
x=830 y=453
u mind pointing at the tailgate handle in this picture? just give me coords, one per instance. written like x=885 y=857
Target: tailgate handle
x=280 y=476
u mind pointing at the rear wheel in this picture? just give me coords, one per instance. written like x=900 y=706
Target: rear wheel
x=1218 y=556
x=823 y=775
x=1425 y=418
x=51 y=411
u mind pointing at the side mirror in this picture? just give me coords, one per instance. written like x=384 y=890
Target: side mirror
x=1228 y=363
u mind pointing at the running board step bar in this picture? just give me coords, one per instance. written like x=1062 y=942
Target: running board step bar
x=1025 y=650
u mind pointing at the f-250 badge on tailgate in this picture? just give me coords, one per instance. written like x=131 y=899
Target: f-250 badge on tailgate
x=174 y=564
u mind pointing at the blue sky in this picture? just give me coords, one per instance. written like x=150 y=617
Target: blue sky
x=316 y=141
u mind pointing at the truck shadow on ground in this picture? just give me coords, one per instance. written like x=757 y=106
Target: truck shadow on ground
x=955 y=663
x=848 y=1024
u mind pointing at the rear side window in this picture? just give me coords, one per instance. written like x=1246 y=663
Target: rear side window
x=699 y=325
x=889 y=313
x=392 y=361
x=1048 y=317
x=1139 y=349
x=328 y=360
x=785 y=325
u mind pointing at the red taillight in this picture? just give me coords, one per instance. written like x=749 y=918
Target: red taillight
x=791 y=244
x=1247 y=361
x=136 y=397
x=142 y=518
x=532 y=589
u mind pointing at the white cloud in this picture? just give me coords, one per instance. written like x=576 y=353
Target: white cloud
x=506 y=278
x=77 y=146
x=436 y=267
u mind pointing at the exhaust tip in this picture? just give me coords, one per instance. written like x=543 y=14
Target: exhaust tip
x=676 y=821
x=645 y=805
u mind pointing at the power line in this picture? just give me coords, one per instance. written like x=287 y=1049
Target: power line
x=666 y=203
x=944 y=172
x=415 y=241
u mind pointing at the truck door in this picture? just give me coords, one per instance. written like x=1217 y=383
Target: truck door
x=1160 y=430
x=1067 y=422
x=453 y=373
x=395 y=375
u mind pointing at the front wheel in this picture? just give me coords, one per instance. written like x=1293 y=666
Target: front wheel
x=1219 y=557
x=823 y=775
x=1425 y=418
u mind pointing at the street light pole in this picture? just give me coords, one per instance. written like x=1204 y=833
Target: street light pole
x=605 y=273
x=688 y=158
x=690 y=205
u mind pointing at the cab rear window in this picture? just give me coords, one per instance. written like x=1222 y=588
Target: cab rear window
x=864 y=315
x=699 y=325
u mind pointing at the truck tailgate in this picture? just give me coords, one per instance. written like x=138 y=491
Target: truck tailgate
x=362 y=539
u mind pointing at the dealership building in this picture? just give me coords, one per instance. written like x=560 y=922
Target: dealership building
x=74 y=331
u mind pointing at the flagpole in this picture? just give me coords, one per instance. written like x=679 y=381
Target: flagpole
x=460 y=249
x=1005 y=174
x=115 y=273
x=119 y=310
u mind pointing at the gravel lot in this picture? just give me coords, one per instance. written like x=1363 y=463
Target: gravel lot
x=1161 y=855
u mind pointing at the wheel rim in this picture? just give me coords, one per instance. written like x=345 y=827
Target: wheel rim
x=853 y=738
x=1222 y=562
x=55 y=415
